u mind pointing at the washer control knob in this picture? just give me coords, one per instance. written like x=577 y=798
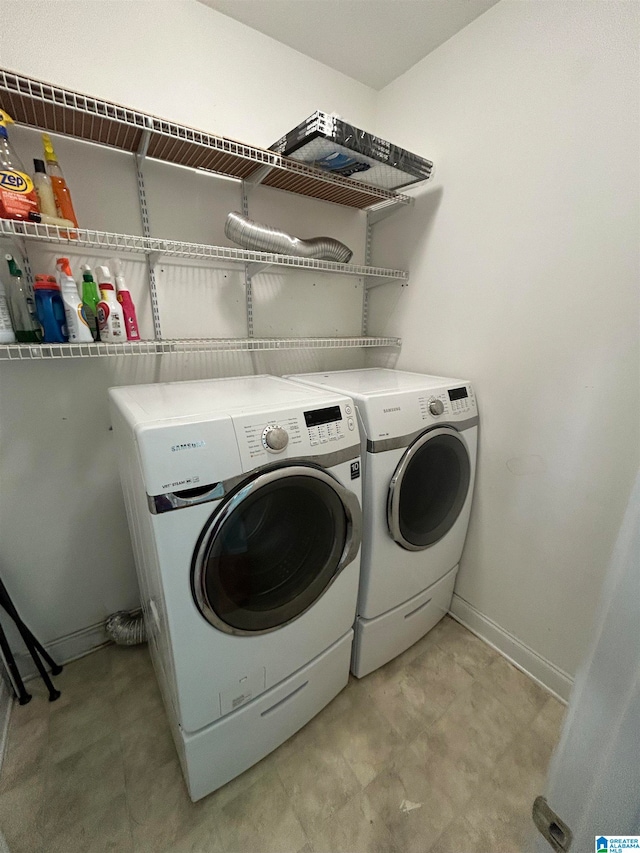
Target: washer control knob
x=436 y=407
x=275 y=439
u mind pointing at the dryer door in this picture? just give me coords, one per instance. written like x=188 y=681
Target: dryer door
x=428 y=489
x=273 y=548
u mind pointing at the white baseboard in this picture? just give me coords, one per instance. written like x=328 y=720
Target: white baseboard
x=531 y=663
x=65 y=649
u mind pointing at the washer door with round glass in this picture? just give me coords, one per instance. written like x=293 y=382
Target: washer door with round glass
x=273 y=548
x=428 y=489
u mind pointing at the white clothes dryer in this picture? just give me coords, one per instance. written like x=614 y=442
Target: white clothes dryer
x=243 y=500
x=419 y=437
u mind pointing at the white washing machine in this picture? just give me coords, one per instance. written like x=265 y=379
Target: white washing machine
x=419 y=438
x=243 y=501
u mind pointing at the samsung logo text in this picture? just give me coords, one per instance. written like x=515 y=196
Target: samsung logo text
x=188 y=445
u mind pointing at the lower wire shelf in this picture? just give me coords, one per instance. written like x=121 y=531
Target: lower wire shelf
x=26 y=352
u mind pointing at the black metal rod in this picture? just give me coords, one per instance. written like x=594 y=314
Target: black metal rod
x=12 y=670
x=25 y=634
x=33 y=646
x=56 y=668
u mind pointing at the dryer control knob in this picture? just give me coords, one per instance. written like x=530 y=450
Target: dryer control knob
x=436 y=407
x=275 y=439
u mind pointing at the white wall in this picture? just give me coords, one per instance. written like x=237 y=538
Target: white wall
x=524 y=278
x=65 y=553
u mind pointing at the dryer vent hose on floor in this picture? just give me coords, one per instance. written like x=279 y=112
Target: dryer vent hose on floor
x=126 y=628
x=252 y=235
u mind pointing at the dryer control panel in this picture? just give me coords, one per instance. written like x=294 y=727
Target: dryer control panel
x=448 y=403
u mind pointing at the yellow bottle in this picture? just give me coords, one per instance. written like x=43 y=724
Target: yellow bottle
x=60 y=188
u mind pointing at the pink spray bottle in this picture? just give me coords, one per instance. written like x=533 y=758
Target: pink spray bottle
x=124 y=298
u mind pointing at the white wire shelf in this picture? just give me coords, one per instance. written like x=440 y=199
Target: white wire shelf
x=33 y=352
x=51 y=108
x=156 y=247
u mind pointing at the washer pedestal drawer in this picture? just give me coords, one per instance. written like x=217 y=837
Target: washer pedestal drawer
x=218 y=753
x=383 y=638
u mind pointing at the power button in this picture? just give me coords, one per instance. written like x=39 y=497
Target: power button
x=348 y=410
x=351 y=424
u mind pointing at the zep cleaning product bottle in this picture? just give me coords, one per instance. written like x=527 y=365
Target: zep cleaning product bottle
x=21 y=306
x=110 y=314
x=18 y=198
x=77 y=327
x=124 y=298
x=90 y=299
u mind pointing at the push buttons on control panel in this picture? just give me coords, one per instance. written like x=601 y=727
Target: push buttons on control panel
x=351 y=423
x=348 y=410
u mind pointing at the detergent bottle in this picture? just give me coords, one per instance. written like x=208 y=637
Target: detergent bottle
x=18 y=197
x=78 y=329
x=90 y=299
x=110 y=314
x=50 y=310
x=21 y=306
x=124 y=298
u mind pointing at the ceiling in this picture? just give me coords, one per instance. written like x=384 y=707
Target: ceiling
x=373 y=41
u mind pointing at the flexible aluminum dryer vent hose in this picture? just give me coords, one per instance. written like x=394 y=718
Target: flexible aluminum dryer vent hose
x=252 y=235
x=126 y=628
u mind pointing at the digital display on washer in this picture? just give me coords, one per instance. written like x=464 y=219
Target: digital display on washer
x=323 y=416
x=458 y=394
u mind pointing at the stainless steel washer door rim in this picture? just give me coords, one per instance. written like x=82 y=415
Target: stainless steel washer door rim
x=209 y=584
x=434 y=497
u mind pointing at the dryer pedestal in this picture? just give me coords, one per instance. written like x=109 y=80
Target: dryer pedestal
x=218 y=753
x=383 y=638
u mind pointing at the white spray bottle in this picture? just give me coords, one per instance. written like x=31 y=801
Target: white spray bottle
x=109 y=310
x=77 y=326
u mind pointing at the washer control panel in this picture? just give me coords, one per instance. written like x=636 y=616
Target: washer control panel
x=283 y=434
x=328 y=424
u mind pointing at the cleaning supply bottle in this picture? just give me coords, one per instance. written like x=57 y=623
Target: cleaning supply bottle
x=77 y=327
x=90 y=299
x=50 y=310
x=124 y=298
x=61 y=192
x=21 y=306
x=6 y=329
x=110 y=314
x=18 y=198
x=44 y=189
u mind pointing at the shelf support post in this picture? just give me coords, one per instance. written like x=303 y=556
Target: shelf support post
x=146 y=231
x=248 y=290
x=365 y=289
x=256 y=177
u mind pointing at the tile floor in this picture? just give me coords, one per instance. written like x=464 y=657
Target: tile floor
x=441 y=751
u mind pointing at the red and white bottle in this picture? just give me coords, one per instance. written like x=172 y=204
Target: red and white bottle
x=124 y=298
x=108 y=310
